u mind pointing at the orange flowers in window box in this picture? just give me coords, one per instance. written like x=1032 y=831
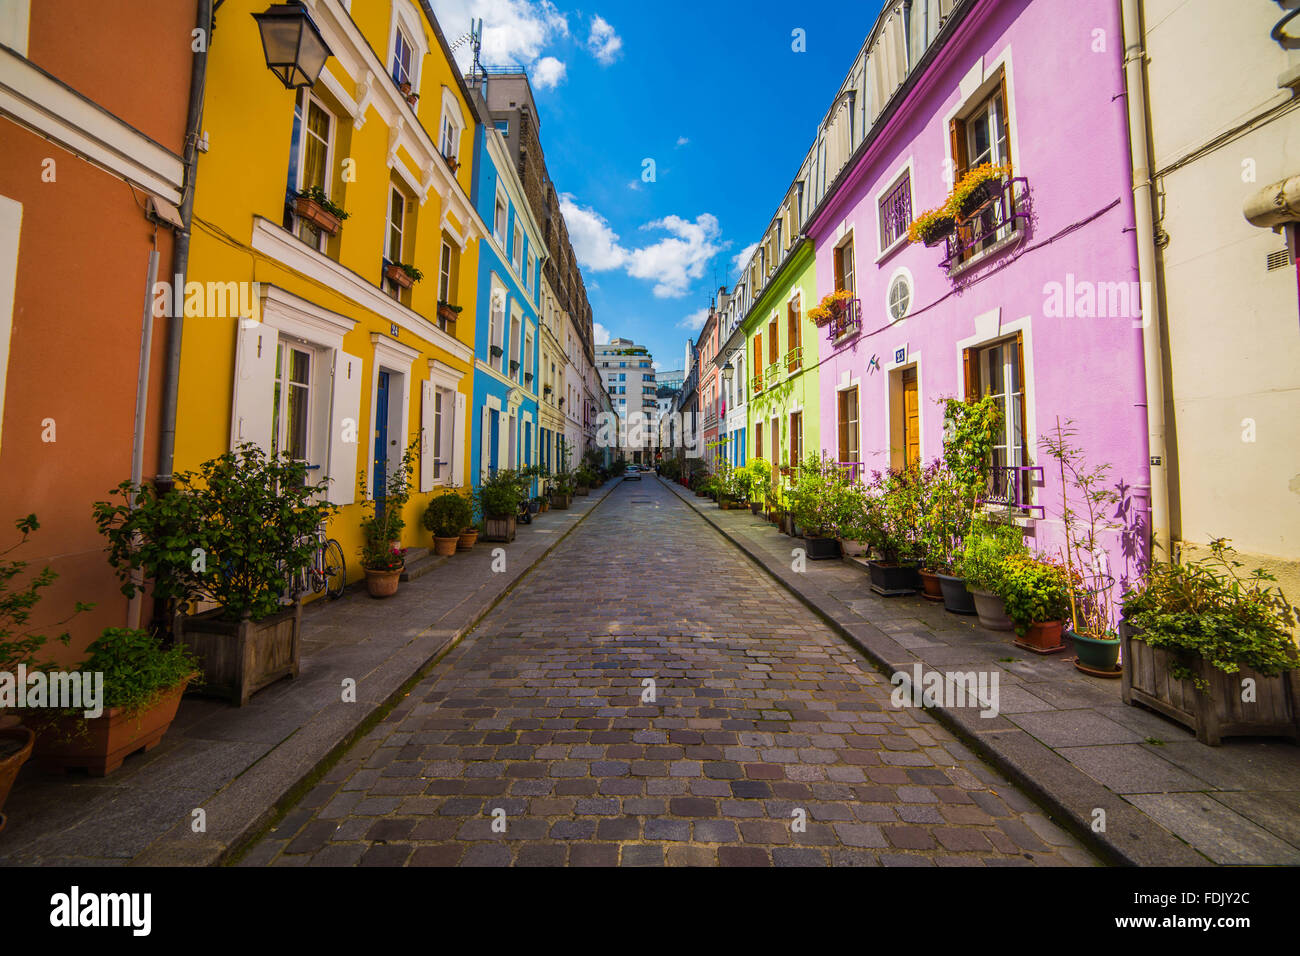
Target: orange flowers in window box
x=830 y=308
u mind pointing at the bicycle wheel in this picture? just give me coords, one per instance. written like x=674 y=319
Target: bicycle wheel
x=335 y=570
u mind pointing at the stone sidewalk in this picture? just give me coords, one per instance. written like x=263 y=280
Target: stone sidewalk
x=1063 y=736
x=241 y=765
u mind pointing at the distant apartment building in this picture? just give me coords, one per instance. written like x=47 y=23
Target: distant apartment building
x=628 y=375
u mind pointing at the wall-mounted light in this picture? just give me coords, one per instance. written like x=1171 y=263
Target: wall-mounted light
x=294 y=48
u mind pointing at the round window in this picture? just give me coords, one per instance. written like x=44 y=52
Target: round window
x=900 y=297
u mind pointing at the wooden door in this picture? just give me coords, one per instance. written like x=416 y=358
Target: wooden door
x=911 y=418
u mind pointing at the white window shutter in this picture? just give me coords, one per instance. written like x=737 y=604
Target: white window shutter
x=252 y=409
x=459 y=425
x=345 y=429
x=428 y=419
x=485 y=436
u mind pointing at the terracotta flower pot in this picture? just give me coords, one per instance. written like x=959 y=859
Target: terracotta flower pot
x=317 y=215
x=467 y=539
x=382 y=584
x=397 y=275
x=1043 y=637
x=930 y=589
x=13 y=760
x=445 y=547
x=100 y=745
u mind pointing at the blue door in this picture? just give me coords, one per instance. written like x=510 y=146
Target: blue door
x=381 y=443
x=494 y=418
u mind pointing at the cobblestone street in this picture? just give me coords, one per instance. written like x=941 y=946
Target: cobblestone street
x=762 y=719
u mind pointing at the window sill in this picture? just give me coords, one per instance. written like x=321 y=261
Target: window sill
x=888 y=251
x=958 y=269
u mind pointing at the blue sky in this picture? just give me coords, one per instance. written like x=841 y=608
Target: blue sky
x=712 y=92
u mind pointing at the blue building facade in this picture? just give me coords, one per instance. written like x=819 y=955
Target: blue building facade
x=504 y=424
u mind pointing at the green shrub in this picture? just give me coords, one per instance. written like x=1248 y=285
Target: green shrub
x=18 y=645
x=1035 y=591
x=985 y=552
x=499 y=495
x=136 y=667
x=1206 y=609
x=448 y=514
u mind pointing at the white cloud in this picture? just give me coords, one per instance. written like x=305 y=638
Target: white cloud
x=676 y=261
x=594 y=242
x=682 y=140
x=695 y=321
x=514 y=32
x=673 y=263
x=634 y=185
x=604 y=44
x=742 y=257
x=601 y=333
x=547 y=73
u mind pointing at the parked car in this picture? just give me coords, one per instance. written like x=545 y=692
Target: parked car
x=633 y=473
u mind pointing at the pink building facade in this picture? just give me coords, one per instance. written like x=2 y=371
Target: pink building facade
x=1036 y=301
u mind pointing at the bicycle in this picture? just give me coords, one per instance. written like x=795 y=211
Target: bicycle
x=328 y=570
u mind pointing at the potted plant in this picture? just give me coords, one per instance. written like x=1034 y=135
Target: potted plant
x=313 y=205
x=1092 y=622
x=932 y=226
x=892 y=529
x=248 y=525
x=18 y=649
x=984 y=555
x=1195 y=631
x=446 y=516
x=449 y=313
x=498 y=500
x=380 y=560
x=974 y=189
x=402 y=274
x=1037 y=599
x=583 y=480
x=819 y=501
x=831 y=308
x=142 y=687
x=760 y=471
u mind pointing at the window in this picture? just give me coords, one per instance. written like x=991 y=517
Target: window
x=793 y=332
x=396 y=223
x=848 y=424
x=503 y=127
x=496 y=323
x=291 y=414
x=982 y=136
x=796 y=437
x=900 y=297
x=843 y=262
x=773 y=343
x=499 y=222
x=999 y=370
x=517 y=250
x=758 y=440
x=450 y=144
x=776 y=443
x=444 y=404
x=403 y=58
x=896 y=212
x=311 y=158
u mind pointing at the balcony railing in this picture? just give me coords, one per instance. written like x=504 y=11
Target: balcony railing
x=794 y=359
x=773 y=374
x=756 y=382
x=1011 y=487
x=1004 y=214
x=849 y=322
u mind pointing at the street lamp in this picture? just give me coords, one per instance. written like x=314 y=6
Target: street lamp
x=727 y=373
x=294 y=48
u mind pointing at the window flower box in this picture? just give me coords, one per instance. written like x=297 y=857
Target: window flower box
x=313 y=212
x=401 y=275
x=495 y=351
x=448 y=312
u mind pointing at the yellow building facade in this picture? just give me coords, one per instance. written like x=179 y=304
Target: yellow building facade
x=318 y=343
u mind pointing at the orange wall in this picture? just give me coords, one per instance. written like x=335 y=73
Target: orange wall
x=132 y=57
x=74 y=357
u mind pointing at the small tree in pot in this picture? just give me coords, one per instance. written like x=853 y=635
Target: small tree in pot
x=1037 y=596
x=499 y=496
x=893 y=530
x=447 y=516
x=235 y=533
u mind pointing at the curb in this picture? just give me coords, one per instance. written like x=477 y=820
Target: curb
x=1067 y=793
x=254 y=814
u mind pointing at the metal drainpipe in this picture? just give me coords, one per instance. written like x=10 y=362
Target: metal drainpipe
x=181 y=256
x=1152 y=319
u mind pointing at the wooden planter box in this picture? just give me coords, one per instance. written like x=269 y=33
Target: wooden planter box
x=317 y=215
x=397 y=275
x=1218 y=712
x=499 y=529
x=239 y=658
x=559 y=502
x=582 y=490
x=9 y=766
x=99 y=746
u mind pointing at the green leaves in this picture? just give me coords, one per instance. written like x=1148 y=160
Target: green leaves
x=136 y=667
x=17 y=644
x=249 y=517
x=1035 y=591
x=448 y=514
x=1205 y=608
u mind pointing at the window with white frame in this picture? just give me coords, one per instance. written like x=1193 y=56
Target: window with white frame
x=444 y=405
x=499 y=221
x=517 y=250
x=896 y=211
x=396 y=224
x=291 y=414
x=445 y=270
x=402 y=63
x=997 y=370
x=311 y=160
x=496 y=323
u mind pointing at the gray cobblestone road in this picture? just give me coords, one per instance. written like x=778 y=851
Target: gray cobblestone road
x=760 y=712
